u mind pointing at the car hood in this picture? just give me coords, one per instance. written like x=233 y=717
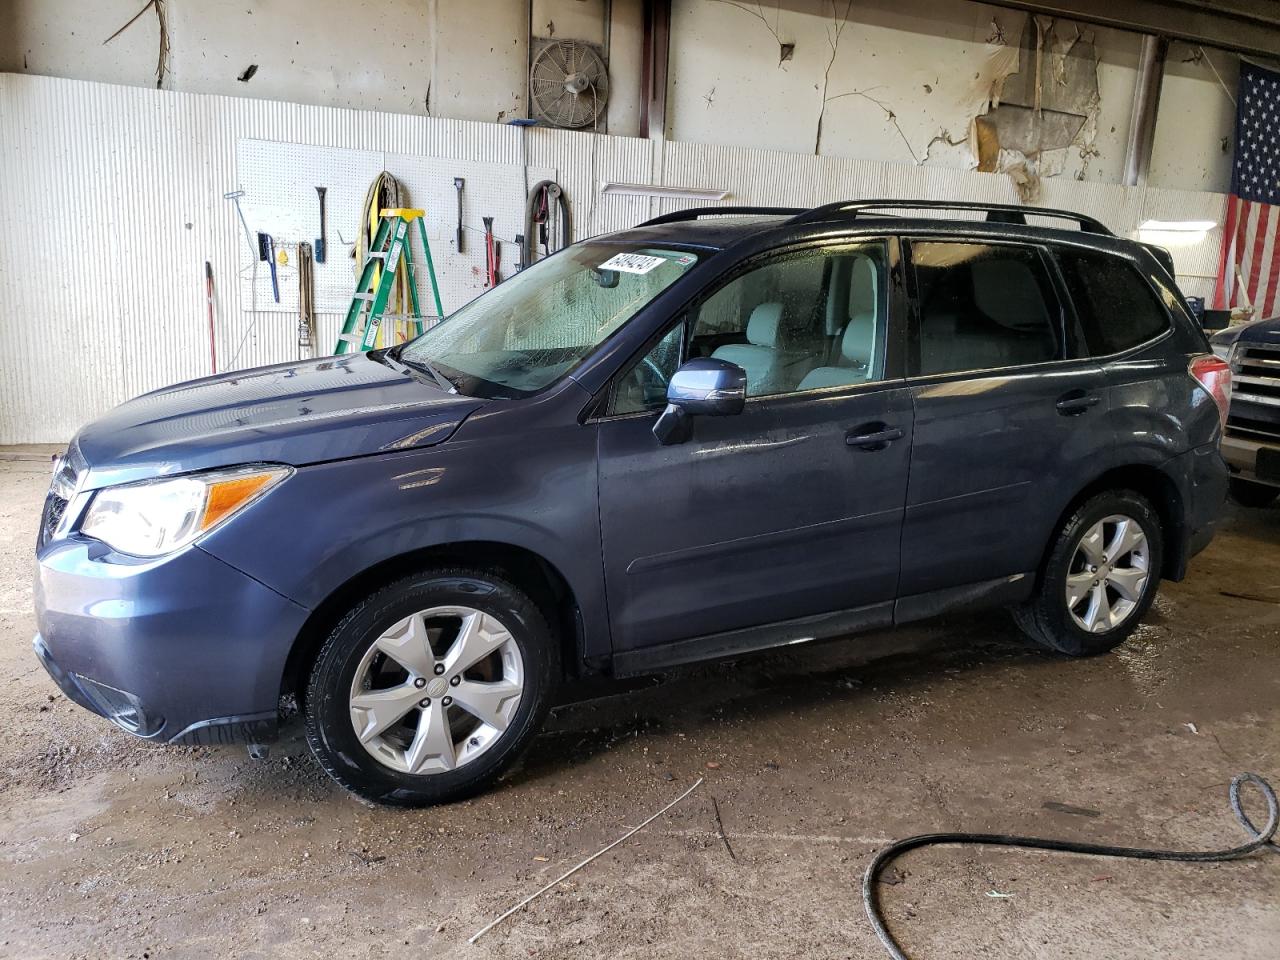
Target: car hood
x=295 y=413
x=1255 y=331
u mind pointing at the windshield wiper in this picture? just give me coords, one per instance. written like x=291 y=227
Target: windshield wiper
x=422 y=366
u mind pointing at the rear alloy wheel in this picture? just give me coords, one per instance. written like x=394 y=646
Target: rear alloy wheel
x=1108 y=574
x=1100 y=577
x=1248 y=493
x=425 y=692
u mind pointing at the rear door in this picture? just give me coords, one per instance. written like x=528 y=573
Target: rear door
x=783 y=511
x=1008 y=426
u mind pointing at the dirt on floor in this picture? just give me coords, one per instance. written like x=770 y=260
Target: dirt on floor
x=814 y=757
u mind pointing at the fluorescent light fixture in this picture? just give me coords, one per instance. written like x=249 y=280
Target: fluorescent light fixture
x=1178 y=226
x=652 y=190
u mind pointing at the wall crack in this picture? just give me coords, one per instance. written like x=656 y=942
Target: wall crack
x=162 y=60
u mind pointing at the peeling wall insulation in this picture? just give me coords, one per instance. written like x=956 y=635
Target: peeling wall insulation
x=937 y=83
x=910 y=81
x=119 y=203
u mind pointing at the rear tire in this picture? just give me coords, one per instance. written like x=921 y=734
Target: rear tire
x=1249 y=493
x=1099 y=579
x=430 y=688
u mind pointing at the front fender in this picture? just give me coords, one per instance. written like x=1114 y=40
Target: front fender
x=328 y=523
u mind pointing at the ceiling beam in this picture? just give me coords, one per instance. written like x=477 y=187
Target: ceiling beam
x=1242 y=26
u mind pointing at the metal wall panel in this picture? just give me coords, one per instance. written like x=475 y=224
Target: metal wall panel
x=112 y=201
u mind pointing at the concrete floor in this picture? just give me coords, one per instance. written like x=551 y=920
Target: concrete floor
x=816 y=756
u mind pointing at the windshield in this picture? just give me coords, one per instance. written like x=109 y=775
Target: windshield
x=533 y=328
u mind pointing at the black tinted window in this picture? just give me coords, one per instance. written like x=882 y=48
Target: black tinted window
x=1114 y=304
x=983 y=307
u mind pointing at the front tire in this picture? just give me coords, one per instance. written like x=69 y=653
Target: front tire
x=430 y=688
x=1100 y=577
x=1247 y=493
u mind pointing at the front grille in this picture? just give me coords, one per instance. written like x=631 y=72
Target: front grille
x=1255 y=393
x=66 y=478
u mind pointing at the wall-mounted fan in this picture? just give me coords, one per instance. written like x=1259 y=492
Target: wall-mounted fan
x=568 y=84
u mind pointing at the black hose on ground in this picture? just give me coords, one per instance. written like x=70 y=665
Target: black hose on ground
x=1261 y=838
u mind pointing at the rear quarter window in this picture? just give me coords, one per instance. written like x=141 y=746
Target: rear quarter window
x=1114 y=304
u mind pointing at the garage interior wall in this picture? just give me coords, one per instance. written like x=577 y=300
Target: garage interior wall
x=463 y=61
x=130 y=179
x=894 y=80
x=102 y=250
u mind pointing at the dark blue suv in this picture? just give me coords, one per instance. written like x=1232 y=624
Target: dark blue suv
x=719 y=432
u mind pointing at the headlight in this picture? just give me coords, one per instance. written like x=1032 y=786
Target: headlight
x=156 y=517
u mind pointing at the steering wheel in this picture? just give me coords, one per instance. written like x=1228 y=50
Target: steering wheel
x=656 y=370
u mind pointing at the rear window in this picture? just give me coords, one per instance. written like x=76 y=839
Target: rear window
x=1116 y=307
x=982 y=306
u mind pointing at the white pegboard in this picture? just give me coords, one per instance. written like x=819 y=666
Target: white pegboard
x=279 y=181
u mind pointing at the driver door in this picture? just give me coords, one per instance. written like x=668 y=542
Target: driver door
x=776 y=513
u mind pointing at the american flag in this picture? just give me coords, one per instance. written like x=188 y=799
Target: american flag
x=1249 y=267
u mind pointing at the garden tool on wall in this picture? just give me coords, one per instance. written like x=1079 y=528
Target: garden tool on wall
x=321 y=243
x=267 y=251
x=306 y=303
x=492 y=254
x=458 y=184
x=208 y=294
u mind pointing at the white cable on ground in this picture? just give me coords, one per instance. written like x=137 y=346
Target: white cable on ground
x=565 y=876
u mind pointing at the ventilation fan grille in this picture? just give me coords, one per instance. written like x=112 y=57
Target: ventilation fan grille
x=568 y=84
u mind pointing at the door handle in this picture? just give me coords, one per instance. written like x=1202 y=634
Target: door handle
x=1076 y=402
x=872 y=436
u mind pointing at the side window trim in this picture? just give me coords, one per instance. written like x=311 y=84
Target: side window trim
x=1075 y=345
x=1057 y=310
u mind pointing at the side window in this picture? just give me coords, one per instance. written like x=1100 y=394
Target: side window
x=644 y=386
x=1116 y=307
x=800 y=321
x=983 y=306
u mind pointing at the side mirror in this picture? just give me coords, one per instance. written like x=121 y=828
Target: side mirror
x=703 y=387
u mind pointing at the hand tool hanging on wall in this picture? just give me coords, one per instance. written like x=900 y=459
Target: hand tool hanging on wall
x=234 y=196
x=321 y=243
x=388 y=250
x=208 y=296
x=267 y=251
x=306 y=303
x=545 y=208
x=458 y=184
x=492 y=254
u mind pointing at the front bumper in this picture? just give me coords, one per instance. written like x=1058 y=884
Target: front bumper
x=183 y=649
x=1243 y=457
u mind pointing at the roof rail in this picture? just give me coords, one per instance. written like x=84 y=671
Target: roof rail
x=996 y=212
x=697 y=213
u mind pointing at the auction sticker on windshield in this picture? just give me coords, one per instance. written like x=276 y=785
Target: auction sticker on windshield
x=632 y=263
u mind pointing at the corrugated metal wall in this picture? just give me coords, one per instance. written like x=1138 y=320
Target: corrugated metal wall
x=111 y=201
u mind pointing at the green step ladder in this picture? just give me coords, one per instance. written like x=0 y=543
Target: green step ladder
x=390 y=248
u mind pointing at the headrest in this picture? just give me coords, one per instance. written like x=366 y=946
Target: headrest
x=863 y=295
x=859 y=340
x=765 y=322
x=1007 y=292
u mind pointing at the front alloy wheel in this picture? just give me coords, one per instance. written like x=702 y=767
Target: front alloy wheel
x=428 y=689
x=436 y=690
